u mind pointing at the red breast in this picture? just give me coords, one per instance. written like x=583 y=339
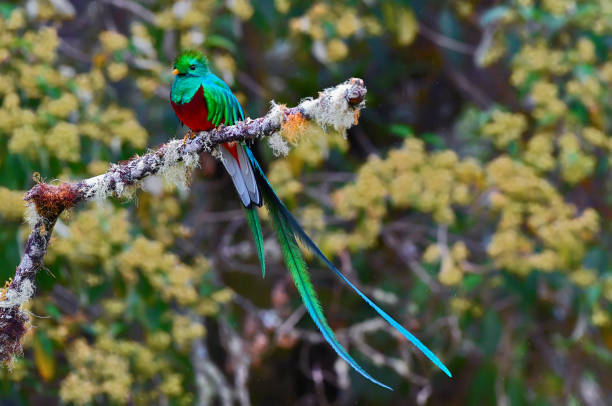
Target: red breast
x=195 y=113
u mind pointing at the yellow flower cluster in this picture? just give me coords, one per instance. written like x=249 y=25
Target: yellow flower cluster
x=13 y=119
x=282 y=6
x=100 y=235
x=63 y=142
x=575 y=164
x=91 y=237
x=312 y=219
x=95 y=236
x=600 y=317
x=537 y=57
x=281 y=176
x=60 y=107
x=584 y=51
x=451 y=268
x=159 y=215
x=539 y=152
x=407 y=26
x=62 y=94
x=241 y=8
x=584 y=277
x=409 y=177
x=330 y=45
x=115 y=124
x=44 y=43
x=549 y=106
x=559 y=7
x=558 y=235
x=95 y=372
x=209 y=306
x=186 y=15
x=123 y=371
x=314 y=146
x=598 y=18
x=492 y=51
x=550 y=93
x=536 y=228
x=185 y=330
x=505 y=127
x=113 y=41
x=588 y=90
x=226 y=66
x=460 y=306
x=12 y=205
x=147 y=86
x=117 y=71
x=168 y=275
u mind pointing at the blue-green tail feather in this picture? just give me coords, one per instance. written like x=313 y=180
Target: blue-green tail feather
x=296 y=230
x=255 y=226
x=299 y=272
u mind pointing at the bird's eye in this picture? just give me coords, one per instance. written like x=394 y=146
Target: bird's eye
x=192 y=67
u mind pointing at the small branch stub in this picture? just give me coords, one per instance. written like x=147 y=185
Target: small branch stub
x=355 y=95
x=51 y=200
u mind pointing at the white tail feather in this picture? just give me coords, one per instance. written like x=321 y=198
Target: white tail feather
x=232 y=167
x=248 y=176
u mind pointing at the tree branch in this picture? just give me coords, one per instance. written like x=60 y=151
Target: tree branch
x=336 y=108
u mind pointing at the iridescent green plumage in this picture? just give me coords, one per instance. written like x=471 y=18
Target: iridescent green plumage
x=185 y=59
x=193 y=74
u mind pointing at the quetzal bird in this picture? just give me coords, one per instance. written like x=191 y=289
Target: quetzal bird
x=202 y=101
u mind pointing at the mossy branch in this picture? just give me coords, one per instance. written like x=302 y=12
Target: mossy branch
x=336 y=107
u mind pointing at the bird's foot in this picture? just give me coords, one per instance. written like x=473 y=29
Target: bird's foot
x=190 y=135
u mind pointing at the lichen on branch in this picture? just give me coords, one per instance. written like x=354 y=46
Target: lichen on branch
x=336 y=108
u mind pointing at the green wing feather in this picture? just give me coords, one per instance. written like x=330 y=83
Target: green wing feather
x=255 y=226
x=223 y=107
x=299 y=272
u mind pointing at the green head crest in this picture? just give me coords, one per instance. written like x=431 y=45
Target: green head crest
x=190 y=62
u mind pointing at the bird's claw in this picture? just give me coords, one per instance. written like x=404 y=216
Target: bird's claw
x=190 y=135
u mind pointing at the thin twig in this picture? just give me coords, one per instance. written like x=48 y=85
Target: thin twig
x=446 y=42
x=135 y=8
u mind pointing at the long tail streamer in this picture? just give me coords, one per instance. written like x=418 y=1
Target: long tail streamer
x=288 y=228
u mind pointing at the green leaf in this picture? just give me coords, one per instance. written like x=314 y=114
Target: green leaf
x=6 y=9
x=434 y=140
x=491 y=332
x=471 y=281
x=218 y=41
x=53 y=311
x=482 y=387
x=43 y=356
x=401 y=130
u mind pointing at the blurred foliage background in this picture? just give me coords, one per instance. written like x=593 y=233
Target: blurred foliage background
x=472 y=201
